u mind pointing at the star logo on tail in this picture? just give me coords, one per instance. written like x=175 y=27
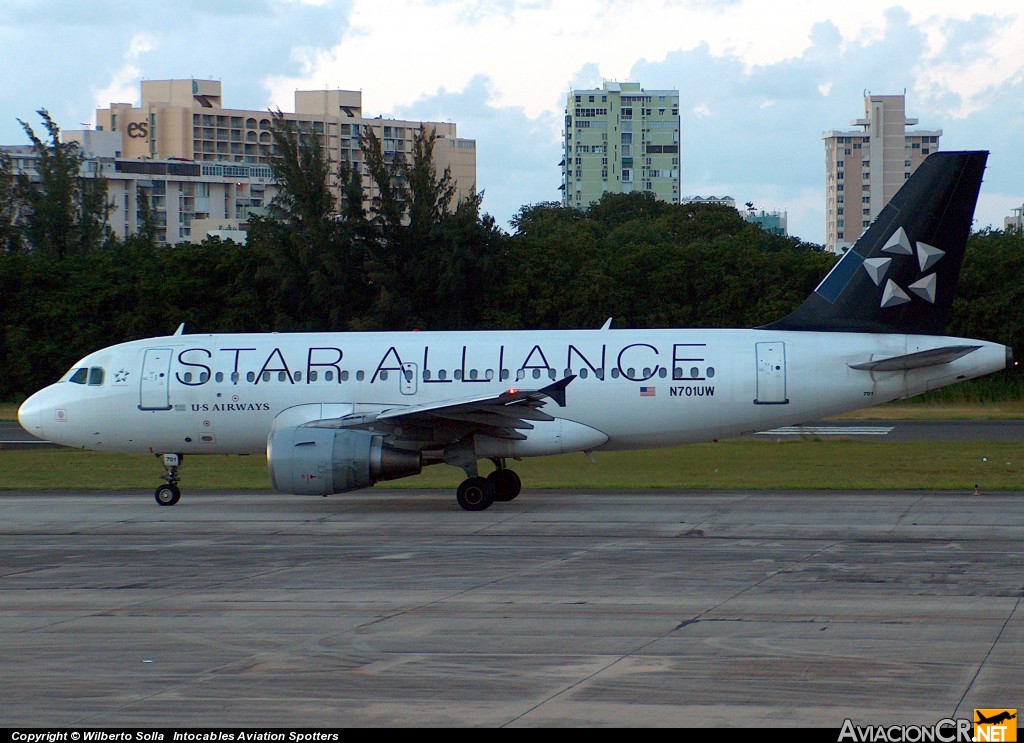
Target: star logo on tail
x=898 y=245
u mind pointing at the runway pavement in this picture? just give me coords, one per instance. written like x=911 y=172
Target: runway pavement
x=399 y=609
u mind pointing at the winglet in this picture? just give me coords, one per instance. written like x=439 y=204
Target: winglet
x=180 y=330
x=556 y=391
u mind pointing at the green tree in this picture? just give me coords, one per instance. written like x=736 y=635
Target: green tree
x=309 y=265
x=431 y=258
x=10 y=231
x=65 y=213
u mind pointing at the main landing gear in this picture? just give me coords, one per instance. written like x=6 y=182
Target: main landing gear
x=169 y=494
x=478 y=493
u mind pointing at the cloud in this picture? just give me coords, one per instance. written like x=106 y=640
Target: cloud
x=502 y=69
x=124 y=83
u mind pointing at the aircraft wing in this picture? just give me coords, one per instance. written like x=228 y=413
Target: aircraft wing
x=931 y=357
x=501 y=415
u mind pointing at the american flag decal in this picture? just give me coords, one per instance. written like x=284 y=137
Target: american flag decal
x=647 y=392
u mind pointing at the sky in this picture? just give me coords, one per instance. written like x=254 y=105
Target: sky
x=759 y=82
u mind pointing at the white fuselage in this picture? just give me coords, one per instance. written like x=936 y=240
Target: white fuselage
x=223 y=394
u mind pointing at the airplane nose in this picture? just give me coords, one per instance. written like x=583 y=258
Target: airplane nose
x=30 y=416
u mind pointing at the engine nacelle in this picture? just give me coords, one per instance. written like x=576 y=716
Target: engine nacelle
x=320 y=461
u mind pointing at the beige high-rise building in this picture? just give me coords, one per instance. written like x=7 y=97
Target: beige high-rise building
x=620 y=138
x=865 y=168
x=186 y=119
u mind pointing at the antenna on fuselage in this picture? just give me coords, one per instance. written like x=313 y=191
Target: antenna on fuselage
x=607 y=324
x=180 y=330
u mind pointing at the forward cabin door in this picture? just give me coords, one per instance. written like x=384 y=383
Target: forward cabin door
x=154 y=386
x=771 y=374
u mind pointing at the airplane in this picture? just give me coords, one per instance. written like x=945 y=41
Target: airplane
x=995 y=719
x=337 y=412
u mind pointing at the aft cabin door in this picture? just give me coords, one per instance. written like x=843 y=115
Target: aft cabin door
x=156 y=375
x=771 y=374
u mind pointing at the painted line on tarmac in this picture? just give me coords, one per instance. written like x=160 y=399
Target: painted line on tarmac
x=828 y=431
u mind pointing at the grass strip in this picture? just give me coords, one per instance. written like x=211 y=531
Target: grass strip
x=729 y=465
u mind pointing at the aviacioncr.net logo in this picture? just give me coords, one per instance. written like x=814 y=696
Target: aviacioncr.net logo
x=947 y=730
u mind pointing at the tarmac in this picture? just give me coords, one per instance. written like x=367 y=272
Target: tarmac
x=744 y=609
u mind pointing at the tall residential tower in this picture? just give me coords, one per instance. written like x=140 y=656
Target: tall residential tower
x=620 y=138
x=864 y=169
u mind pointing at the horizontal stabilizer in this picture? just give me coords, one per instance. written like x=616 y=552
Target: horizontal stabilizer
x=931 y=357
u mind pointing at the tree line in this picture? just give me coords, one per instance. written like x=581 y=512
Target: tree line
x=418 y=258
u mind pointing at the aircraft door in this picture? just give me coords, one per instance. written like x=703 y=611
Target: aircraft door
x=154 y=385
x=408 y=379
x=771 y=374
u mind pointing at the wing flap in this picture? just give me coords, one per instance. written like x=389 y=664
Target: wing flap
x=502 y=415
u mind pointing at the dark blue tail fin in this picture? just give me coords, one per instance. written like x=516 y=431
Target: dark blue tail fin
x=901 y=275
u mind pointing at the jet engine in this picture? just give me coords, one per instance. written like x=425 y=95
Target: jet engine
x=320 y=461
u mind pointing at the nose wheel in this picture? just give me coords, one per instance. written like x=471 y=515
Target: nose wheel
x=169 y=494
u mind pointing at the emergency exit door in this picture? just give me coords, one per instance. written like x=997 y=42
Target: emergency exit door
x=771 y=374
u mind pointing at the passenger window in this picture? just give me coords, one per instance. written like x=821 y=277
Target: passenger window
x=312 y=376
x=426 y=374
x=711 y=372
x=219 y=376
x=615 y=373
x=442 y=375
x=458 y=373
x=282 y=376
x=329 y=375
x=96 y=376
x=343 y=376
x=234 y=377
x=472 y=374
x=204 y=377
x=551 y=373
x=266 y=376
x=583 y=373
x=188 y=377
x=81 y=376
x=360 y=375
x=695 y=372
x=250 y=376
x=520 y=374
x=383 y=376
x=536 y=373
x=504 y=374
x=490 y=374
x=297 y=376
x=663 y=372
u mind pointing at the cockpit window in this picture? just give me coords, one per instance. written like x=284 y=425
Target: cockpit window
x=96 y=376
x=81 y=376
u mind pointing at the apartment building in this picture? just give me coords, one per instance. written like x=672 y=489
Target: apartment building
x=187 y=200
x=186 y=120
x=620 y=138
x=865 y=167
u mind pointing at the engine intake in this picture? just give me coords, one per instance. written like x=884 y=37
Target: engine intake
x=321 y=461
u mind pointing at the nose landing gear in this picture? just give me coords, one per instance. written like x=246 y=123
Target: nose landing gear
x=169 y=494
